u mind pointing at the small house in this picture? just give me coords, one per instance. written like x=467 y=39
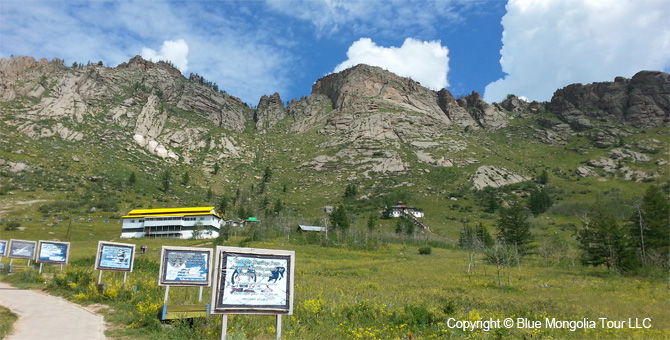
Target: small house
x=311 y=229
x=401 y=209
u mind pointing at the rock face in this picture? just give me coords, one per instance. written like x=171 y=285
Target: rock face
x=642 y=101
x=269 y=112
x=372 y=103
x=72 y=102
x=491 y=176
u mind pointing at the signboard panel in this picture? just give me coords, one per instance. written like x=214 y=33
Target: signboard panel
x=53 y=252
x=253 y=281
x=3 y=248
x=185 y=266
x=115 y=256
x=20 y=249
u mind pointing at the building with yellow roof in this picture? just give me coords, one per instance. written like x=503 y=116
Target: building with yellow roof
x=184 y=223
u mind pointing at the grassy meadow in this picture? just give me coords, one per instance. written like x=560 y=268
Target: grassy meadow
x=388 y=291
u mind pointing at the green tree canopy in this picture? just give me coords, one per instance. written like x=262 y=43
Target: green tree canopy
x=514 y=228
x=604 y=241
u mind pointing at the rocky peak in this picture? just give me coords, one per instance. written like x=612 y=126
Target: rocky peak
x=641 y=101
x=269 y=112
x=12 y=68
x=487 y=115
x=137 y=62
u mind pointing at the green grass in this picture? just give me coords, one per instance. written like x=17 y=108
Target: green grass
x=7 y=319
x=388 y=293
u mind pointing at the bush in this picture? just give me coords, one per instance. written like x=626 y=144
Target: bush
x=12 y=226
x=425 y=250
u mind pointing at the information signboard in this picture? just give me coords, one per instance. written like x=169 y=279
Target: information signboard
x=115 y=256
x=3 y=248
x=20 y=249
x=253 y=281
x=185 y=266
x=53 y=252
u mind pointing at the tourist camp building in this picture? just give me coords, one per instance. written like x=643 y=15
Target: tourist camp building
x=182 y=223
x=401 y=210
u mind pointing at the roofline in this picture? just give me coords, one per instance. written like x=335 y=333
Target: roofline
x=186 y=211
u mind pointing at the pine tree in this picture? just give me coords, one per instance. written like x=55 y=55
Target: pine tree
x=543 y=178
x=405 y=225
x=185 y=178
x=514 y=228
x=372 y=222
x=539 y=201
x=267 y=174
x=132 y=179
x=350 y=192
x=223 y=205
x=166 y=177
x=651 y=226
x=604 y=241
x=339 y=219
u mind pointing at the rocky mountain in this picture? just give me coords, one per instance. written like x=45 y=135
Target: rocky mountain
x=359 y=125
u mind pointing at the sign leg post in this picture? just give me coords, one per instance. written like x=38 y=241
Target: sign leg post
x=167 y=291
x=224 y=326
x=278 y=327
x=61 y=268
x=41 y=268
x=200 y=294
x=100 y=277
x=125 y=274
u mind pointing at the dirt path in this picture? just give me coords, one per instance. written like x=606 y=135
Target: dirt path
x=42 y=316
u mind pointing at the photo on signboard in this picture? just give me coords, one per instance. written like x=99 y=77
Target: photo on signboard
x=115 y=256
x=185 y=266
x=20 y=249
x=253 y=281
x=3 y=248
x=53 y=252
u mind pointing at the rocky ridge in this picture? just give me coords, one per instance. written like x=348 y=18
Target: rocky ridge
x=371 y=120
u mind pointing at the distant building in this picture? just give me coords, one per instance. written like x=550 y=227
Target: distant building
x=401 y=209
x=172 y=223
x=308 y=228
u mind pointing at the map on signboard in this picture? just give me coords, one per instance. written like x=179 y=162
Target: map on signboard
x=186 y=266
x=116 y=257
x=3 y=248
x=22 y=249
x=53 y=252
x=254 y=281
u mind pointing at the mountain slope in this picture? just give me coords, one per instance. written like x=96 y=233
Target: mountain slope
x=69 y=132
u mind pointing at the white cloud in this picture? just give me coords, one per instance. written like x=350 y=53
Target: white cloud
x=549 y=44
x=173 y=51
x=424 y=61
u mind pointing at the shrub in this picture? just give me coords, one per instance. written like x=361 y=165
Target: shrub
x=425 y=250
x=12 y=226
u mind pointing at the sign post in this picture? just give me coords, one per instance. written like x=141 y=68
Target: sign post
x=185 y=266
x=21 y=249
x=114 y=256
x=252 y=281
x=53 y=252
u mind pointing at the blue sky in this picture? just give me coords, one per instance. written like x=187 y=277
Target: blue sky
x=249 y=48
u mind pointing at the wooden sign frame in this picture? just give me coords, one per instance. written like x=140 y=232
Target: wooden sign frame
x=13 y=243
x=171 y=254
x=58 y=244
x=105 y=261
x=3 y=248
x=252 y=281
